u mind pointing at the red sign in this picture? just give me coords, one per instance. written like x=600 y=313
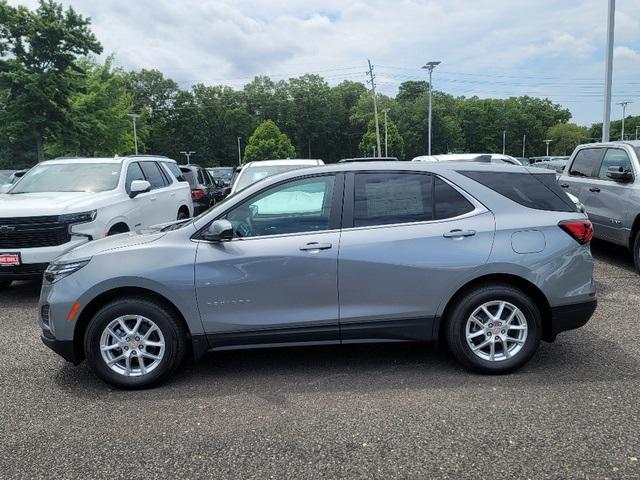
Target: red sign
x=9 y=259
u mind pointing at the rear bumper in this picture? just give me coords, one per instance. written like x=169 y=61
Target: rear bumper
x=568 y=317
x=64 y=348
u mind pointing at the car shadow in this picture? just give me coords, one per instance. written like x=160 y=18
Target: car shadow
x=576 y=357
x=613 y=255
x=20 y=292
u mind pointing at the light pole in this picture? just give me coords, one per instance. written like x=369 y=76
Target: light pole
x=134 y=117
x=624 y=109
x=429 y=66
x=386 y=143
x=239 y=152
x=608 y=71
x=188 y=155
x=504 y=141
x=547 y=142
x=524 y=143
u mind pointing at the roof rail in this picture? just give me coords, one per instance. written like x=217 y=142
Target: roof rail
x=147 y=155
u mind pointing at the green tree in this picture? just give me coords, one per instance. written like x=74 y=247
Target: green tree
x=38 y=69
x=565 y=137
x=268 y=143
x=395 y=143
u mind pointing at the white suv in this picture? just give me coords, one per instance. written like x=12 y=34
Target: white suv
x=60 y=204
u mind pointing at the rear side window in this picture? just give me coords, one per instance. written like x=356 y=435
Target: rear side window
x=175 y=169
x=538 y=191
x=386 y=198
x=153 y=174
x=449 y=202
x=586 y=162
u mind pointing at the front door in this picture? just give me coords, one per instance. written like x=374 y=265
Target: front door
x=276 y=281
x=408 y=238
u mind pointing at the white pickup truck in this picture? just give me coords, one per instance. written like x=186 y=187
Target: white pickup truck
x=60 y=204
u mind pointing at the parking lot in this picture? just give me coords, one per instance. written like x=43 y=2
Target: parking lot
x=357 y=411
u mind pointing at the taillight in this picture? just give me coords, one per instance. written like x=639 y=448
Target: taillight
x=197 y=194
x=581 y=230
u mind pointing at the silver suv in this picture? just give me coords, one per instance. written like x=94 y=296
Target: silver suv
x=493 y=258
x=604 y=177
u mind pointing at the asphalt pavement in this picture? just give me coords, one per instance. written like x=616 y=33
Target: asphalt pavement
x=376 y=411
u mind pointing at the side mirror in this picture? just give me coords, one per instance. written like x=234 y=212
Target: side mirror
x=138 y=187
x=619 y=175
x=219 y=231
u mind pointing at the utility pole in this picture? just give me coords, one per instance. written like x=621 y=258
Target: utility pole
x=637 y=127
x=429 y=66
x=239 y=152
x=547 y=142
x=386 y=143
x=188 y=155
x=504 y=141
x=375 y=103
x=134 y=117
x=624 y=109
x=608 y=72
x=524 y=143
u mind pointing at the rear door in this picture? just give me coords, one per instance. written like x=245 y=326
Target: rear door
x=578 y=177
x=163 y=208
x=407 y=240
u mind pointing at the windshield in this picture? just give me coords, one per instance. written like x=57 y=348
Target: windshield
x=69 y=177
x=251 y=175
x=224 y=174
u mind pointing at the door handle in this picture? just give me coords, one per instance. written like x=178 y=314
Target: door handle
x=564 y=185
x=315 y=246
x=594 y=189
x=457 y=233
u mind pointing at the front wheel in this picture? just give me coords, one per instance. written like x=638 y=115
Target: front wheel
x=134 y=343
x=494 y=329
x=636 y=252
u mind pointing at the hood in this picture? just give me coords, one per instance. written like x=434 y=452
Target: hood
x=49 y=203
x=115 y=242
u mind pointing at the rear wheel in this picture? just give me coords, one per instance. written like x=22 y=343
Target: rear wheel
x=134 y=343
x=494 y=329
x=182 y=215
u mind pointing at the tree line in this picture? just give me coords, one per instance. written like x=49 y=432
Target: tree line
x=57 y=99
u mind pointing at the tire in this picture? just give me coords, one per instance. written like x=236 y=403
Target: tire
x=171 y=333
x=636 y=252
x=5 y=284
x=492 y=296
x=182 y=215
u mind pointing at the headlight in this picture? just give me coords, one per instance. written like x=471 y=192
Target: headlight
x=82 y=217
x=57 y=271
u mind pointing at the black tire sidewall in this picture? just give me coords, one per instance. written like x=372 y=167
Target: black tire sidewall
x=636 y=252
x=456 y=337
x=173 y=337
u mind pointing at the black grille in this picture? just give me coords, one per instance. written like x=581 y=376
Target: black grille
x=27 y=269
x=29 y=232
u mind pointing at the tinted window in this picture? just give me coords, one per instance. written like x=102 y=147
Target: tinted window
x=386 y=198
x=614 y=158
x=538 y=191
x=586 y=162
x=449 y=202
x=175 y=169
x=134 y=172
x=293 y=207
x=153 y=174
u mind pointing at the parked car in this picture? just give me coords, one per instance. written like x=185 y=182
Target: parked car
x=205 y=190
x=604 y=176
x=469 y=157
x=556 y=164
x=223 y=174
x=255 y=171
x=60 y=204
x=479 y=254
x=368 y=159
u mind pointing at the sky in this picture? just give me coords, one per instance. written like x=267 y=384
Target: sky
x=488 y=48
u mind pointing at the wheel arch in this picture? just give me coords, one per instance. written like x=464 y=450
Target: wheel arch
x=184 y=208
x=635 y=228
x=119 y=227
x=107 y=296
x=538 y=297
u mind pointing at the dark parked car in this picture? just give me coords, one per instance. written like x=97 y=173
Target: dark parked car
x=205 y=191
x=223 y=174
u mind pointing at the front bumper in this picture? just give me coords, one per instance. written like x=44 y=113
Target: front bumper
x=28 y=271
x=569 y=317
x=64 y=348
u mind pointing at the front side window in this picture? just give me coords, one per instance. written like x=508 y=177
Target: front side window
x=69 y=177
x=388 y=198
x=292 y=207
x=153 y=174
x=617 y=158
x=585 y=163
x=255 y=173
x=134 y=172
